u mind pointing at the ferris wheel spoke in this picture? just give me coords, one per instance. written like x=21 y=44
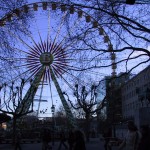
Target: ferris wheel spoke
x=39 y=46
x=30 y=60
x=69 y=85
x=25 y=65
x=14 y=59
x=76 y=78
x=55 y=48
x=36 y=49
x=17 y=77
x=34 y=72
x=56 y=71
x=48 y=35
x=71 y=30
x=21 y=40
x=12 y=66
x=59 y=28
x=20 y=50
x=32 y=68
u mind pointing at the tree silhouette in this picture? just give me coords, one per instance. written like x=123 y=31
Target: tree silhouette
x=13 y=104
x=128 y=30
x=87 y=102
x=19 y=26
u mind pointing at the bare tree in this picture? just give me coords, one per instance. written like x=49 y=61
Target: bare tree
x=86 y=101
x=18 y=25
x=128 y=29
x=13 y=103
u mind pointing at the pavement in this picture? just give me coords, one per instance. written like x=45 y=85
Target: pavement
x=94 y=144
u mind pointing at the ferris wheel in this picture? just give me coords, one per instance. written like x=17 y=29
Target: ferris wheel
x=63 y=45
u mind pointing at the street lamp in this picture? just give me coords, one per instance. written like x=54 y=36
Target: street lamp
x=53 y=111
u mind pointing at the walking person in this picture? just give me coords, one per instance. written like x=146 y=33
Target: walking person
x=71 y=139
x=132 y=138
x=46 y=138
x=17 y=141
x=62 y=141
x=144 y=143
x=79 y=141
x=107 y=135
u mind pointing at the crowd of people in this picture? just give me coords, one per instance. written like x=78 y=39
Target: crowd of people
x=74 y=140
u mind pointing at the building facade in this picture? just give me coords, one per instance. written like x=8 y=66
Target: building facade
x=112 y=110
x=136 y=98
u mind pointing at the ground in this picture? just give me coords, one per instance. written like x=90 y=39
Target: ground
x=94 y=144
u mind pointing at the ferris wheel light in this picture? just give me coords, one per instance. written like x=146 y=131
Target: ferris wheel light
x=72 y=9
x=54 y=6
x=80 y=12
x=63 y=8
x=114 y=66
x=106 y=39
x=35 y=6
x=113 y=56
x=2 y=23
x=44 y=5
x=110 y=48
x=88 y=18
x=95 y=24
x=9 y=17
x=17 y=12
x=26 y=8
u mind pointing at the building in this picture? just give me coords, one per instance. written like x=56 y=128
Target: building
x=136 y=98
x=112 y=110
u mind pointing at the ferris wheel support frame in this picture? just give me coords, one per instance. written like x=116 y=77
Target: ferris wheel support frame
x=29 y=96
x=64 y=102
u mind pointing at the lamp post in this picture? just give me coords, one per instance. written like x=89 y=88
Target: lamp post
x=53 y=121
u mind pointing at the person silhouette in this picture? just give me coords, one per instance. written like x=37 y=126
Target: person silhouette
x=17 y=141
x=71 y=139
x=46 y=138
x=62 y=140
x=79 y=141
x=132 y=138
x=144 y=143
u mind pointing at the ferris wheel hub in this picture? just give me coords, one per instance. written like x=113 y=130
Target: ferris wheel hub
x=46 y=58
